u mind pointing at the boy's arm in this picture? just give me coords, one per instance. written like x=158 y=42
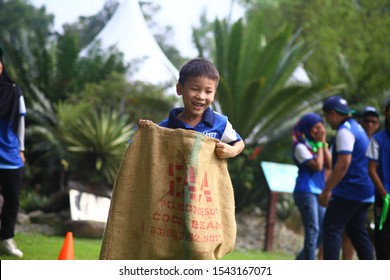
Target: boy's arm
x=223 y=150
x=372 y=167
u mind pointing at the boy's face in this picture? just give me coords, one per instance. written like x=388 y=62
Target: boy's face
x=1 y=68
x=198 y=93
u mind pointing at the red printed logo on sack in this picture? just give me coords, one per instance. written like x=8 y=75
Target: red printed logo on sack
x=180 y=179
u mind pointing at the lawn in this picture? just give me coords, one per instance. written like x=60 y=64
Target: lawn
x=42 y=247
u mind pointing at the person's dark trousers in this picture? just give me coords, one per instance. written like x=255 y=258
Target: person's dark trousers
x=382 y=237
x=10 y=182
x=351 y=215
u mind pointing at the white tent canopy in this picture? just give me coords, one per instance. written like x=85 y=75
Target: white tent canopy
x=128 y=31
x=299 y=76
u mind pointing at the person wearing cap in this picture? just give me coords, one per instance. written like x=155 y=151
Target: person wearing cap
x=348 y=192
x=12 y=112
x=369 y=120
x=311 y=155
x=378 y=153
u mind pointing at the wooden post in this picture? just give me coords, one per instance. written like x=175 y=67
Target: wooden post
x=271 y=220
x=279 y=178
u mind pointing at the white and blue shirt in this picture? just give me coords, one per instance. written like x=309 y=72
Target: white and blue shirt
x=356 y=184
x=212 y=124
x=379 y=151
x=10 y=145
x=308 y=180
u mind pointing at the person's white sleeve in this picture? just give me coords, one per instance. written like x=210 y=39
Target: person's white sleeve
x=229 y=135
x=21 y=130
x=345 y=141
x=22 y=106
x=302 y=153
x=373 y=150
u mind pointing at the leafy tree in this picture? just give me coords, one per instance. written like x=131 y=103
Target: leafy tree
x=135 y=100
x=348 y=39
x=50 y=70
x=16 y=35
x=162 y=34
x=203 y=36
x=254 y=89
x=88 y=27
x=46 y=62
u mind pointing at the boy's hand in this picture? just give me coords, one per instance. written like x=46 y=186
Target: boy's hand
x=143 y=124
x=223 y=150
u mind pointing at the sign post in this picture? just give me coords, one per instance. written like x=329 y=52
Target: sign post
x=280 y=178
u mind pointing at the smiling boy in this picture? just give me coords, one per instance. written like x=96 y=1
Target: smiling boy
x=197 y=85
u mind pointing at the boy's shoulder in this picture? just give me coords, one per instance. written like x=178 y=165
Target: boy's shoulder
x=219 y=115
x=164 y=122
x=171 y=117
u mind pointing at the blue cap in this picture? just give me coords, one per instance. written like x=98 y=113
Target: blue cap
x=338 y=104
x=369 y=110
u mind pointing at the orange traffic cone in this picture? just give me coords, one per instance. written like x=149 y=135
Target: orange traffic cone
x=67 y=251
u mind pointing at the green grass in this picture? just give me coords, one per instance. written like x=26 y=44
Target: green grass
x=257 y=255
x=42 y=247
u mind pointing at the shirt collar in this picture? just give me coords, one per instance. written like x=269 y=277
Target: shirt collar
x=173 y=122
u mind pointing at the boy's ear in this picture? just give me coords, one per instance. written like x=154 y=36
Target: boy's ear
x=178 y=89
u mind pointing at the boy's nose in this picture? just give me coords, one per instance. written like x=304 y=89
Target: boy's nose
x=200 y=95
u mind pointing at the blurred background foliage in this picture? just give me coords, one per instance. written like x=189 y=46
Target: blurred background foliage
x=82 y=109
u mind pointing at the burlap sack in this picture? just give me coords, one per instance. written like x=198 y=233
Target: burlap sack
x=172 y=199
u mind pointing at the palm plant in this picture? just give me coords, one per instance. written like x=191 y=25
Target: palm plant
x=49 y=70
x=95 y=139
x=254 y=90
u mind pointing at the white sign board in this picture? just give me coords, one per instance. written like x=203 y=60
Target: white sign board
x=87 y=206
x=280 y=177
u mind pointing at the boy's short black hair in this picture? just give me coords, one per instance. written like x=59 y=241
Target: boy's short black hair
x=198 y=67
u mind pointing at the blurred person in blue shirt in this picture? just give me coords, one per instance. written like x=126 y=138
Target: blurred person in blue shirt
x=311 y=155
x=378 y=153
x=12 y=112
x=348 y=192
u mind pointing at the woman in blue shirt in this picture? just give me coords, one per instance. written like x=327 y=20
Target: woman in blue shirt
x=312 y=157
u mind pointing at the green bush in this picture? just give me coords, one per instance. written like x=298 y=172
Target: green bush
x=245 y=175
x=95 y=142
x=31 y=200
